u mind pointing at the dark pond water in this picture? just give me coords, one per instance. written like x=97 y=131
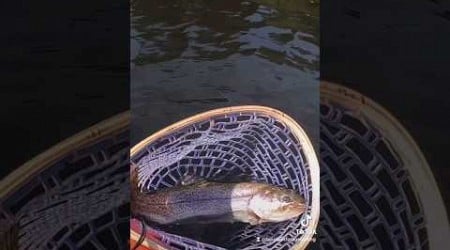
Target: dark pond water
x=191 y=56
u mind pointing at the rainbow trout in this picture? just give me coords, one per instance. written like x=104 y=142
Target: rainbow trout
x=208 y=202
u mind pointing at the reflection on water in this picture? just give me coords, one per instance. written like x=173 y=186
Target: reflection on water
x=191 y=56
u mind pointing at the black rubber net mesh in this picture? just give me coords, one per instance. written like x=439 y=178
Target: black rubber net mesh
x=80 y=202
x=229 y=148
x=367 y=198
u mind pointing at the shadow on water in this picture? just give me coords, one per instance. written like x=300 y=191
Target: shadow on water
x=192 y=56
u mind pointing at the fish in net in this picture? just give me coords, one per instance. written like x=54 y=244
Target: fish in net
x=245 y=143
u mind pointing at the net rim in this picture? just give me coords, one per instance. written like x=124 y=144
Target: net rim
x=425 y=186
x=113 y=125
x=296 y=130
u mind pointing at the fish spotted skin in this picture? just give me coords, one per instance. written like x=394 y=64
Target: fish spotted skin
x=208 y=202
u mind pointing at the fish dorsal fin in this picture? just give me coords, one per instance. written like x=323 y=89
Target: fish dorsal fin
x=190 y=179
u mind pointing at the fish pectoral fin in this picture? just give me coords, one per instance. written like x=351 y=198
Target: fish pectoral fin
x=254 y=219
x=189 y=179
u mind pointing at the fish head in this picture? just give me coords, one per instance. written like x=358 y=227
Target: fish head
x=276 y=204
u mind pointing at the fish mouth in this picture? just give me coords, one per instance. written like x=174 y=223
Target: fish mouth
x=297 y=208
x=291 y=211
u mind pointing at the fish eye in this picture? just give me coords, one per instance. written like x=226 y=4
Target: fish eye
x=286 y=199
